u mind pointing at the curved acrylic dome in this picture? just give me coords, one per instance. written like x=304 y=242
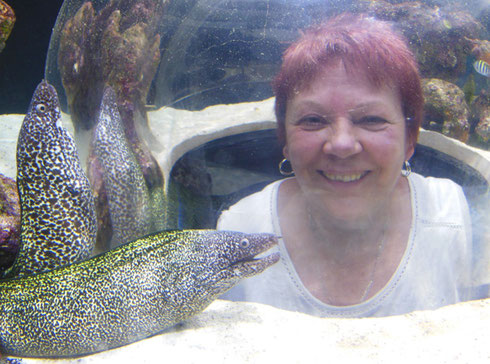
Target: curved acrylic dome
x=196 y=53
x=218 y=52
x=166 y=59
x=212 y=52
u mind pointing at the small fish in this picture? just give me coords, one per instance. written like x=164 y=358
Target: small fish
x=482 y=67
x=58 y=218
x=127 y=192
x=127 y=294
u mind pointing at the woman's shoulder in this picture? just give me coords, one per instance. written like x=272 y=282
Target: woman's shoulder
x=438 y=197
x=434 y=183
x=252 y=212
x=257 y=198
x=442 y=238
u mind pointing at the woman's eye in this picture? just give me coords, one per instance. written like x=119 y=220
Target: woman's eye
x=372 y=122
x=311 y=121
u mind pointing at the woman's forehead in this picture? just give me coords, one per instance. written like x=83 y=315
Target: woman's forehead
x=338 y=87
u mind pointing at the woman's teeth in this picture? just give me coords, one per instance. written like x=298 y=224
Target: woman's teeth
x=343 y=177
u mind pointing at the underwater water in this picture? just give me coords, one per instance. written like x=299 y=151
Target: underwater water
x=171 y=110
x=214 y=53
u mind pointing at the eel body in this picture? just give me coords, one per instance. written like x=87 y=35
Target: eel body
x=127 y=193
x=58 y=218
x=129 y=293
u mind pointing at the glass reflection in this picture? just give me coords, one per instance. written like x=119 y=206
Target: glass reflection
x=203 y=121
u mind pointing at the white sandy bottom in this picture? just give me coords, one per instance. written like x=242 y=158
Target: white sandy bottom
x=229 y=332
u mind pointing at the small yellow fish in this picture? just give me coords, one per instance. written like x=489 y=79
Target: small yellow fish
x=482 y=67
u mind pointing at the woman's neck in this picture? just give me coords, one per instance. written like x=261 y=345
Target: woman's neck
x=309 y=217
x=343 y=240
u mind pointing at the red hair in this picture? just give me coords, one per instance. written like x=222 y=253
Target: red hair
x=364 y=46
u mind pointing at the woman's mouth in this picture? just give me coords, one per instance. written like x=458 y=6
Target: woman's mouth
x=348 y=177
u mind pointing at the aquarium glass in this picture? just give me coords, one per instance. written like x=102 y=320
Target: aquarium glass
x=194 y=80
x=192 y=86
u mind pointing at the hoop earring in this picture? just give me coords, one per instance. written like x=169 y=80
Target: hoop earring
x=281 y=168
x=408 y=169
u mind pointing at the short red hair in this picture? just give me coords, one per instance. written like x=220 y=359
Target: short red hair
x=364 y=46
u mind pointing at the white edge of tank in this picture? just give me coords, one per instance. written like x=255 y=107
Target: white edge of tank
x=179 y=131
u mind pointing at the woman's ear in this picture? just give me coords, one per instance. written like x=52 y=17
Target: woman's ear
x=285 y=152
x=409 y=150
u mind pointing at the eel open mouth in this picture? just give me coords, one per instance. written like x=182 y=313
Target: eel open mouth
x=257 y=263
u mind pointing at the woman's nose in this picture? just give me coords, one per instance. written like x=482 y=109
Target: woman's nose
x=342 y=140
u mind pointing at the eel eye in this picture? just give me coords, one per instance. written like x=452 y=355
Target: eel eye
x=244 y=243
x=41 y=107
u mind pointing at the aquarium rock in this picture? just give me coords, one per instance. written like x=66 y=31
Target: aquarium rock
x=7 y=20
x=9 y=222
x=480 y=49
x=438 y=35
x=480 y=108
x=445 y=109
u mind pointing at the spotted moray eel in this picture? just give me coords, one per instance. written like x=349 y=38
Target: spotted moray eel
x=129 y=293
x=127 y=193
x=58 y=218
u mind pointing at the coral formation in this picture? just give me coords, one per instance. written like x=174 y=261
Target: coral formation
x=9 y=222
x=7 y=20
x=446 y=40
x=480 y=49
x=480 y=117
x=437 y=35
x=445 y=109
x=116 y=46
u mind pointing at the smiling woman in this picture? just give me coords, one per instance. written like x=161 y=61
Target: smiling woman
x=346 y=145
x=360 y=237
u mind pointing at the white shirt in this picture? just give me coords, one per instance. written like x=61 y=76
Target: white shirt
x=434 y=271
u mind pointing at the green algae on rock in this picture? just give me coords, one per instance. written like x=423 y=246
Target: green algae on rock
x=446 y=110
x=9 y=222
x=480 y=116
x=7 y=20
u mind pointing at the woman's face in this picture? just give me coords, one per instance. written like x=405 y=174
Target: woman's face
x=346 y=141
